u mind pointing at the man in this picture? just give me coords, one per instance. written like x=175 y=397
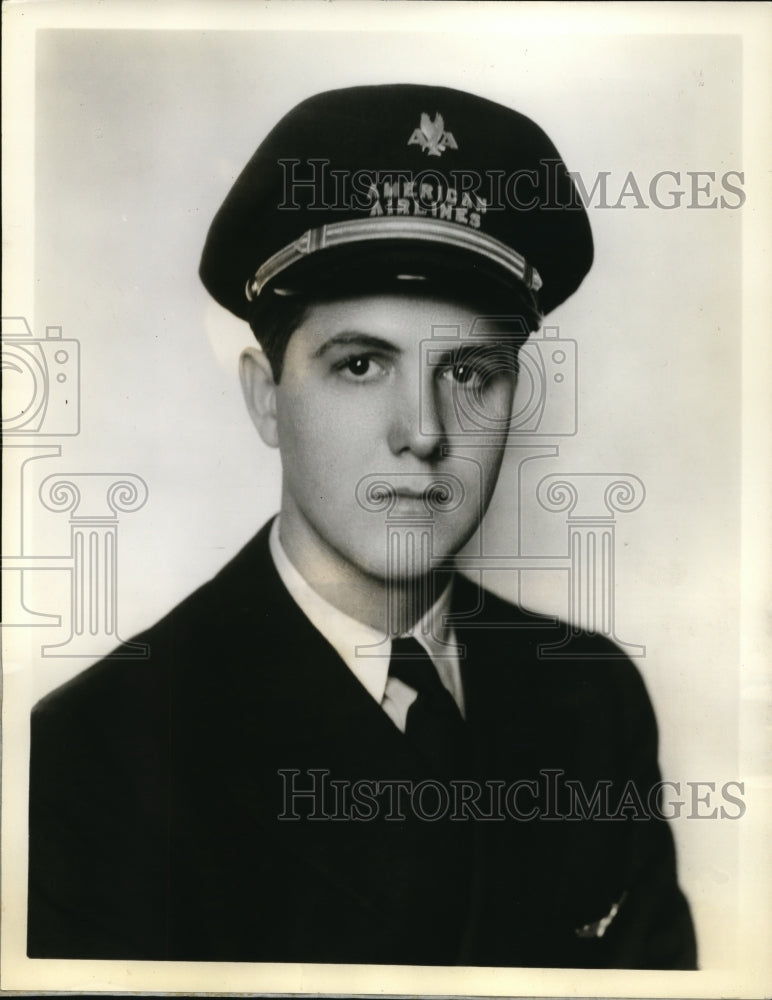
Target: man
x=340 y=749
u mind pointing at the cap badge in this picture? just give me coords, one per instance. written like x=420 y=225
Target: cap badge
x=432 y=137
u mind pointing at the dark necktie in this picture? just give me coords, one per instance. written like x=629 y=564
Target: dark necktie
x=438 y=733
x=434 y=723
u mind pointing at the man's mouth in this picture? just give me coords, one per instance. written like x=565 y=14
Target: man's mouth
x=437 y=494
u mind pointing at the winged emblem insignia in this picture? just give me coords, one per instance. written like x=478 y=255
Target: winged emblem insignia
x=431 y=135
x=599 y=927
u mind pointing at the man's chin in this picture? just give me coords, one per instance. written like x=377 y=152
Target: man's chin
x=404 y=569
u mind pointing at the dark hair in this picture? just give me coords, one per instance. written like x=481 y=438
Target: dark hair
x=274 y=317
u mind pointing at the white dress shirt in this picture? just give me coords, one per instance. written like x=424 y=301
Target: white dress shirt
x=365 y=650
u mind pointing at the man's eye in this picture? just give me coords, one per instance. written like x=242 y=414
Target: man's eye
x=478 y=369
x=466 y=372
x=360 y=368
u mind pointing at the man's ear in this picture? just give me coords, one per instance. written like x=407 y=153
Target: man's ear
x=259 y=390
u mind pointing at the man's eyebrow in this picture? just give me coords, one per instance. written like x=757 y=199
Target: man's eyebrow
x=355 y=338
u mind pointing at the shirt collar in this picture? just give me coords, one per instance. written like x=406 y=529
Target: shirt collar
x=364 y=650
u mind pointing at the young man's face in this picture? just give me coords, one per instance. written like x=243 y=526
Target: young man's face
x=381 y=398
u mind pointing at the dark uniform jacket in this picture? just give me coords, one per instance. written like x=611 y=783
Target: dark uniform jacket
x=162 y=795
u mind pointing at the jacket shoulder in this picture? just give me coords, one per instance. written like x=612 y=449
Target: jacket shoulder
x=509 y=622
x=575 y=670
x=188 y=634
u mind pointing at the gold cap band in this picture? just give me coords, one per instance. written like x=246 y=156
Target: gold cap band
x=338 y=234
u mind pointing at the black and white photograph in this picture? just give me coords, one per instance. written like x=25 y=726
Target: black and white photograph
x=385 y=510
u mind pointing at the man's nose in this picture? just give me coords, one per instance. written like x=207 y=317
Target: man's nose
x=417 y=424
